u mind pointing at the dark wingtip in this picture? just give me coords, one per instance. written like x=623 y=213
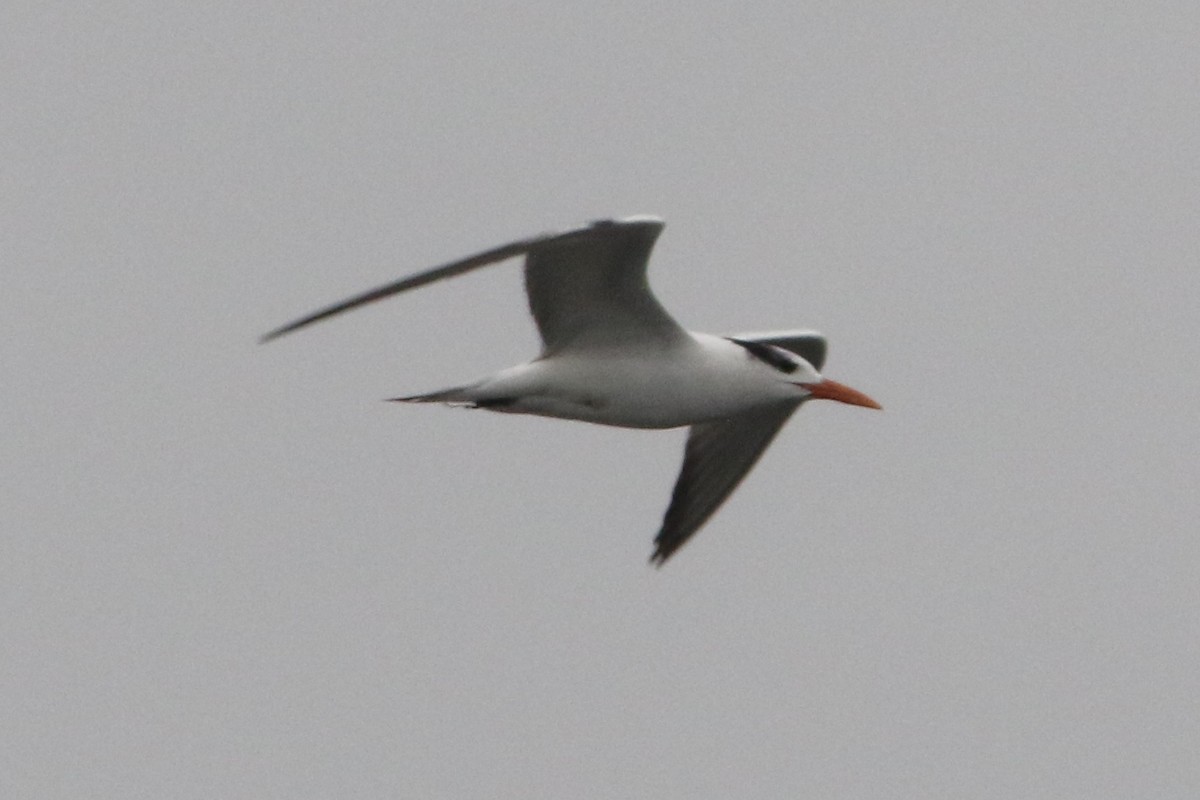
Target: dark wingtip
x=271 y=336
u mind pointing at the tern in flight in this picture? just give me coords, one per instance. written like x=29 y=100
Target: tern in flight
x=612 y=355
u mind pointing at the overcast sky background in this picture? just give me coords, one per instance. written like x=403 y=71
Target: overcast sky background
x=230 y=571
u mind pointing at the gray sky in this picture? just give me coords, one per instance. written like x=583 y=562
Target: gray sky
x=229 y=571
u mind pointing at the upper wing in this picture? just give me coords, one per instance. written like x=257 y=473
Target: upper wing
x=589 y=289
x=809 y=345
x=588 y=283
x=718 y=455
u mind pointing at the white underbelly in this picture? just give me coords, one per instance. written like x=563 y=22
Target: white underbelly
x=648 y=392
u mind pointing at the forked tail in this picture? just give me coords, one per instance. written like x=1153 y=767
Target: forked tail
x=455 y=396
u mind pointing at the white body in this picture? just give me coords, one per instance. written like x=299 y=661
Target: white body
x=702 y=378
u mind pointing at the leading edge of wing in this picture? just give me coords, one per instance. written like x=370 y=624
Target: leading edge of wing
x=719 y=454
x=492 y=256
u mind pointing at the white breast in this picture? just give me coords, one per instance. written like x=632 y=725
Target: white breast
x=706 y=378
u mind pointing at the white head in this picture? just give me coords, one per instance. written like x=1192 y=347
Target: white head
x=800 y=373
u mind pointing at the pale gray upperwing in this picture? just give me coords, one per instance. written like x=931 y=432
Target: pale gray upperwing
x=586 y=286
x=590 y=290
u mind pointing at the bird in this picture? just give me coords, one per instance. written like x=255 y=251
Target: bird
x=612 y=355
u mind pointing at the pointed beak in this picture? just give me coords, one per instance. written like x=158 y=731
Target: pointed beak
x=832 y=390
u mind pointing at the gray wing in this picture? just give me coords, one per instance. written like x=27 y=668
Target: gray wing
x=809 y=345
x=719 y=454
x=585 y=285
x=590 y=289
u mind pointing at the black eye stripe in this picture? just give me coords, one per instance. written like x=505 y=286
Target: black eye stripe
x=768 y=355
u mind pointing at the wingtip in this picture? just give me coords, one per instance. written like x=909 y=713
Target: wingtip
x=272 y=335
x=660 y=555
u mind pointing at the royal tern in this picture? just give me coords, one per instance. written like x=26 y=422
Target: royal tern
x=612 y=355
